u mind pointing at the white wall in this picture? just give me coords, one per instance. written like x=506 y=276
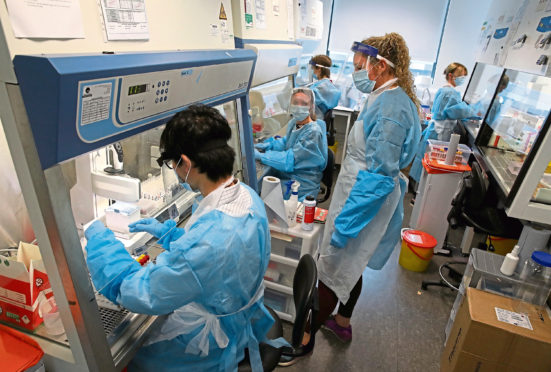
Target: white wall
x=461 y=32
x=419 y=22
x=182 y=24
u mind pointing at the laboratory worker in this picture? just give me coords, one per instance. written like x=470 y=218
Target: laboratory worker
x=208 y=281
x=302 y=154
x=366 y=211
x=327 y=95
x=448 y=107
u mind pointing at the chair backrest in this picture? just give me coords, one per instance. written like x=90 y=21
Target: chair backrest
x=470 y=195
x=327 y=176
x=304 y=293
x=328 y=118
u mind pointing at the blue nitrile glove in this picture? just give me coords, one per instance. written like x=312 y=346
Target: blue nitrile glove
x=262 y=146
x=257 y=155
x=338 y=240
x=97 y=227
x=149 y=225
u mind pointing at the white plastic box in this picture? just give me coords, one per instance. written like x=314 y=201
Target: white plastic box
x=119 y=215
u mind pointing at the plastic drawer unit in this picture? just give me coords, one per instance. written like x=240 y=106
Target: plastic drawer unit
x=288 y=246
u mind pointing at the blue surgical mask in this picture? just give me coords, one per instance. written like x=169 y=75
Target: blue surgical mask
x=362 y=81
x=460 y=80
x=300 y=113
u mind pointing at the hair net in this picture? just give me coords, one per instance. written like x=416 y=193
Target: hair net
x=310 y=94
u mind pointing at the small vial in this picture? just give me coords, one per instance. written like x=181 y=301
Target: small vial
x=309 y=211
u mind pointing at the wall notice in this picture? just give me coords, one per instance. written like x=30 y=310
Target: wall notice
x=125 y=19
x=46 y=19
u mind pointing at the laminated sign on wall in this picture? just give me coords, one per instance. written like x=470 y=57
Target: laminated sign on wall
x=310 y=19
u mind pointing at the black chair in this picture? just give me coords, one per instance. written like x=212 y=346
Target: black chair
x=327 y=177
x=330 y=125
x=305 y=295
x=472 y=207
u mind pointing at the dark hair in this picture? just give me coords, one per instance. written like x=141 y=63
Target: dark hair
x=322 y=59
x=201 y=133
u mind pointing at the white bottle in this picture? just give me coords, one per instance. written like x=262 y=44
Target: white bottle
x=291 y=205
x=510 y=262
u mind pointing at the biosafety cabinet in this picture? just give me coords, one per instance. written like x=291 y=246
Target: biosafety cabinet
x=83 y=131
x=514 y=144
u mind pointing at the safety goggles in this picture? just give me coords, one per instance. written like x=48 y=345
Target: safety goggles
x=370 y=51
x=167 y=160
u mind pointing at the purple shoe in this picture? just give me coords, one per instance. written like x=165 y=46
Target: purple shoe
x=343 y=333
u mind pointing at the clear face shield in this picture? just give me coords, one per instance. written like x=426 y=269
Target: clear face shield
x=361 y=78
x=311 y=65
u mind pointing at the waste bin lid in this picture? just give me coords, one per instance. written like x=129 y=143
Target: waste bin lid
x=419 y=238
x=19 y=351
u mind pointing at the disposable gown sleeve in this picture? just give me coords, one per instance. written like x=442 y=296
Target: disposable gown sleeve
x=456 y=109
x=159 y=288
x=373 y=185
x=305 y=150
x=276 y=144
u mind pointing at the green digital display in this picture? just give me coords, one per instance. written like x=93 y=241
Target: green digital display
x=137 y=89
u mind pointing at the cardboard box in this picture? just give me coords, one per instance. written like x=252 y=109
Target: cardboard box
x=23 y=284
x=492 y=333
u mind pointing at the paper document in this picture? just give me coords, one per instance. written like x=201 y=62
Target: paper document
x=46 y=19
x=125 y=19
x=260 y=7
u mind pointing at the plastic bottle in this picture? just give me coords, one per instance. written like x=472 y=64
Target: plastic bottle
x=309 y=211
x=510 y=262
x=291 y=205
x=536 y=278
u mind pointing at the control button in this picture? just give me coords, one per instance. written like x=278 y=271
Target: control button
x=158 y=91
x=165 y=98
x=159 y=84
x=164 y=82
x=162 y=91
x=168 y=82
x=156 y=100
x=166 y=90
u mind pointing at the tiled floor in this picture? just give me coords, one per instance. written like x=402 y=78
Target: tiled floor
x=396 y=326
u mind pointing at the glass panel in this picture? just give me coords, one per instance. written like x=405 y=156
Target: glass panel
x=158 y=187
x=303 y=76
x=513 y=124
x=481 y=90
x=229 y=111
x=269 y=103
x=543 y=189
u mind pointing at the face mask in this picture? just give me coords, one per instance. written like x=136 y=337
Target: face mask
x=299 y=112
x=183 y=183
x=362 y=81
x=460 y=80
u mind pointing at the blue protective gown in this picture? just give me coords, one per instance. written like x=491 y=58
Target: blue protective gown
x=301 y=155
x=365 y=215
x=217 y=263
x=448 y=107
x=327 y=96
